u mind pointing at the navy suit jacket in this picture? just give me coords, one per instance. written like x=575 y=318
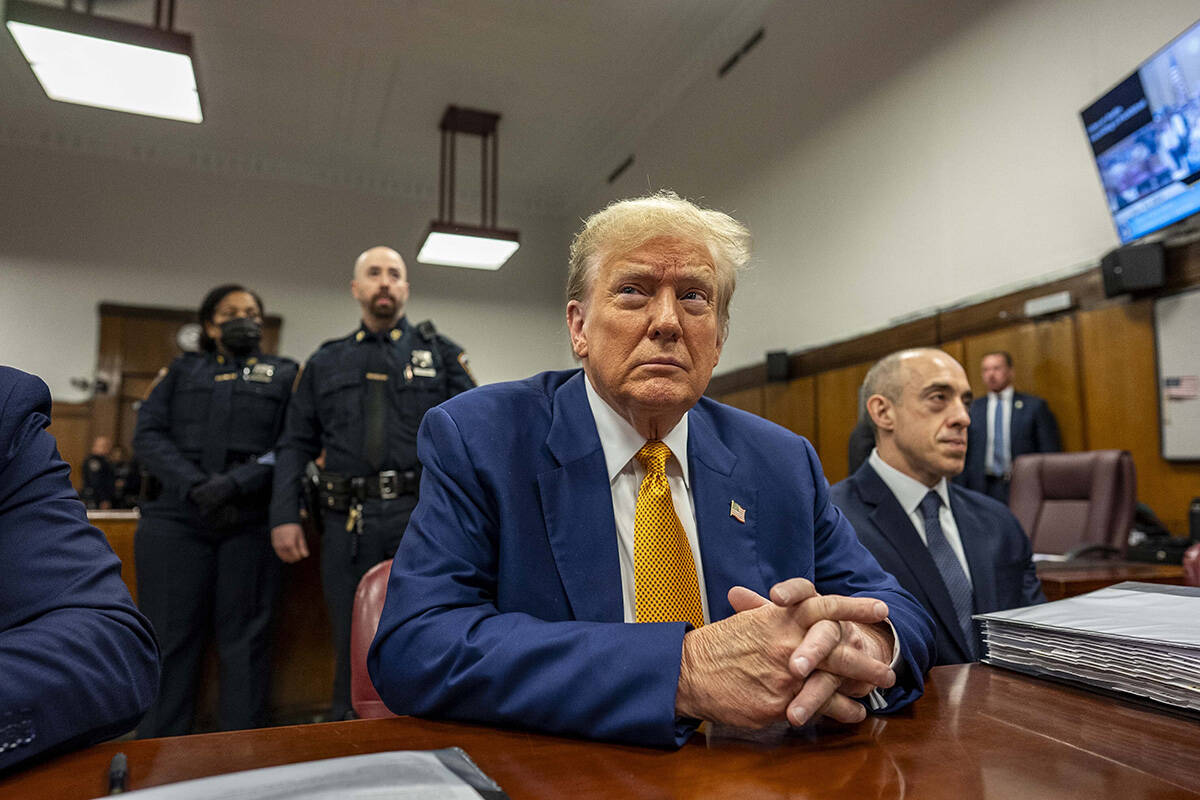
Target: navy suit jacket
x=1032 y=429
x=998 y=552
x=504 y=604
x=78 y=663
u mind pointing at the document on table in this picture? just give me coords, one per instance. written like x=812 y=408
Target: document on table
x=407 y=774
x=1140 y=639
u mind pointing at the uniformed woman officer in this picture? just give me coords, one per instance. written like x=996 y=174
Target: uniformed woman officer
x=204 y=560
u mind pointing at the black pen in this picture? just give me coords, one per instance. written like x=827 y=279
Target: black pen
x=117 y=772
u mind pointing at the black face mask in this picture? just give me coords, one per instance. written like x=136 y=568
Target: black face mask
x=241 y=336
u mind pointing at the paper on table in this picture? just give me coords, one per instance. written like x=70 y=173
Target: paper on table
x=411 y=775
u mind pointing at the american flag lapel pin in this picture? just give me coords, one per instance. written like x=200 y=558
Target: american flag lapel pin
x=737 y=512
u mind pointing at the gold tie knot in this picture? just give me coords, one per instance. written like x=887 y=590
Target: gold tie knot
x=653 y=457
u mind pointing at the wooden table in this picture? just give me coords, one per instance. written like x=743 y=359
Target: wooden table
x=1069 y=578
x=979 y=732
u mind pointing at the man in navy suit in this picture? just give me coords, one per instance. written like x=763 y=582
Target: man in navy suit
x=1004 y=424
x=527 y=591
x=959 y=552
x=78 y=663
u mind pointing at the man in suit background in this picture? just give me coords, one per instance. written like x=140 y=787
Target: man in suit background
x=958 y=551
x=558 y=510
x=1004 y=424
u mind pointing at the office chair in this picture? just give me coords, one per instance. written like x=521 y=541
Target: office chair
x=1075 y=504
x=1191 y=565
x=368 y=606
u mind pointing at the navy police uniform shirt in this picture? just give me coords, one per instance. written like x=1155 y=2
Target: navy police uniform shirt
x=418 y=368
x=208 y=415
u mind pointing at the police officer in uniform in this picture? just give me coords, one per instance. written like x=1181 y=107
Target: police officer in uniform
x=360 y=399
x=99 y=476
x=207 y=433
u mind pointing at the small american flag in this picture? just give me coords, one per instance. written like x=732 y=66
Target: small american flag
x=1183 y=387
x=737 y=512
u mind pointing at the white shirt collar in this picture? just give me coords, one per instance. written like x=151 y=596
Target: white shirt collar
x=908 y=490
x=621 y=441
x=1005 y=394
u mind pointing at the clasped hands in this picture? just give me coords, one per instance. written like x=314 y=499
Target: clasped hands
x=794 y=657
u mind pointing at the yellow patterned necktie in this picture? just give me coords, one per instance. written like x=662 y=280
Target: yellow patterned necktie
x=664 y=574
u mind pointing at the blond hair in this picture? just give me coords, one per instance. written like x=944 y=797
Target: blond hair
x=626 y=225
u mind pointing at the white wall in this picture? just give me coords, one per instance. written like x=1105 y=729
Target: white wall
x=964 y=171
x=80 y=230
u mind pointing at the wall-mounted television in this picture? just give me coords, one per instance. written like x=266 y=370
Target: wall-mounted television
x=1145 y=135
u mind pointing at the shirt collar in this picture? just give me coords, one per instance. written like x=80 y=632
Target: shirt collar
x=621 y=441
x=1005 y=394
x=364 y=334
x=908 y=490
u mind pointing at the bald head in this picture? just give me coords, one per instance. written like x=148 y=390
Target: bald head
x=378 y=255
x=380 y=286
x=917 y=402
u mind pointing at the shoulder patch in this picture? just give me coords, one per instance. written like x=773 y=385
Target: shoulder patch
x=462 y=362
x=162 y=373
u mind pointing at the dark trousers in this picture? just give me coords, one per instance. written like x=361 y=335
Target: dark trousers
x=997 y=487
x=190 y=582
x=343 y=563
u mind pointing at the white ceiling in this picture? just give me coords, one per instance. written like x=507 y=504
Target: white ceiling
x=349 y=92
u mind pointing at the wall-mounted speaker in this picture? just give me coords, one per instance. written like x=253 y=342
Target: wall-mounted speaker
x=777 y=365
x=1136 y=267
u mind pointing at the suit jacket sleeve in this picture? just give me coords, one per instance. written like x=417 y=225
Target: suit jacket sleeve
x=79 y=663
x=444 y=648
x=844 y=566
x=1045 y=430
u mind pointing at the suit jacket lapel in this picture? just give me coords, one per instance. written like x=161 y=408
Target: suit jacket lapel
x=895 y=526
x=974 y=536
x=577 y=508
x=728 y=549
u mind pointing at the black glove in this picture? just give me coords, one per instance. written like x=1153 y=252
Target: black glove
x=213 y=493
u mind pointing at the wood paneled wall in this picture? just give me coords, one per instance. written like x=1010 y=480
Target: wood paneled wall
x=1045 y=363
x=1116 y=347
x=69 y=425
x=1095 y=366
x=837 y=414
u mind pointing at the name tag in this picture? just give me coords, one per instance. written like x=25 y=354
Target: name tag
x=425 y=373
x=225 y=376
x=261 y=373
x=377 y=376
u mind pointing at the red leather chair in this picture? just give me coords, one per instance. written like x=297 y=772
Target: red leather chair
x=1075 y=504
x=1191 y=565
x=368 y=605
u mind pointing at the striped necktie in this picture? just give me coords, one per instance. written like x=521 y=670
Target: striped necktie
x=961 y=595
x=665 y=584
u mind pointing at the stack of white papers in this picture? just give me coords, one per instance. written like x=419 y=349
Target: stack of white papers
x=1140 y=639
x=411 y=775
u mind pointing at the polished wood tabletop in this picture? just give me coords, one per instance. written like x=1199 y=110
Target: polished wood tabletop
x=979 y=732
x=1070 y=578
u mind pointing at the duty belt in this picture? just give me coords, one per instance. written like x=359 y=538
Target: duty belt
x=339 y=492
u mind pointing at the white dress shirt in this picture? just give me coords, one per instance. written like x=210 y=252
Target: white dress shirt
x=620 y=442
x=1005 y=398
x=910 y=492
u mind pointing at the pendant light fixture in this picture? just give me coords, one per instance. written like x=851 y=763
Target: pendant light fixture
x=453 y=244
x=78 y=57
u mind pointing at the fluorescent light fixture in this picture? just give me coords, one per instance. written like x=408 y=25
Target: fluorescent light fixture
x=468 y=246
x=106 y=63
